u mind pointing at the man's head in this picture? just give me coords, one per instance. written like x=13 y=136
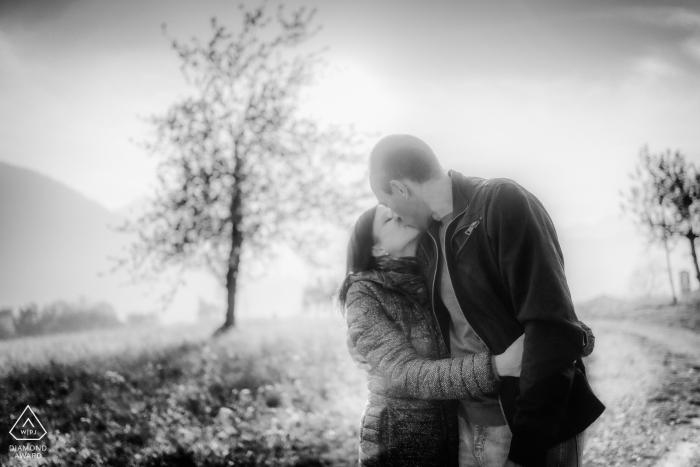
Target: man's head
x=398 y=167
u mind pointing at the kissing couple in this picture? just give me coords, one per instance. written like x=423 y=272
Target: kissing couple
x=458 y=307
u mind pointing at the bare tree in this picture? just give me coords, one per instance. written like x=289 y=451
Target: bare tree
x=648 y=279
x=650 y=210
x=242 y=170
x=666 y=201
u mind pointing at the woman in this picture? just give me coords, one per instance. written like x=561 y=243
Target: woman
x=410 y=416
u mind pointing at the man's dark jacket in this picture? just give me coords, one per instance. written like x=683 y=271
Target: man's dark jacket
x=507 y=271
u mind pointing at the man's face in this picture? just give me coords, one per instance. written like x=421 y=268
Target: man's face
x=411 y=211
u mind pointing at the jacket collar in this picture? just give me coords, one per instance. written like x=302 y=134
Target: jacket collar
x=462 y=189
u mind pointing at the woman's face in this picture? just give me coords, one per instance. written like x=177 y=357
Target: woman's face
x=391 y=237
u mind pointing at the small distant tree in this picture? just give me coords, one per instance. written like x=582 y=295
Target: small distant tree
x=648 y=279
x=242 y=171
x=665 y=200
x=28 y=321
x=7 y=323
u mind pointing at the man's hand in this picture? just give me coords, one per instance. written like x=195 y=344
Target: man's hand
x=359 y=360
x=509 y=362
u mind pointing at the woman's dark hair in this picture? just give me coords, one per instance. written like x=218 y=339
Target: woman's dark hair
x=359 y=254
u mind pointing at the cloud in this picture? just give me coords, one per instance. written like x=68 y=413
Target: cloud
x=692 y=47
x=29 y=12
x=683 y=18
x=677 y=29
x=656 y=67
x=674 y=17
x=689 y=22
x=8 y=56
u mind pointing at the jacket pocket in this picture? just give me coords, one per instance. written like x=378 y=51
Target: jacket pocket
x=416 y=437
x=371 y=430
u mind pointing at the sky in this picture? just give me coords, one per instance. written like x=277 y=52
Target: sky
x=557 y=95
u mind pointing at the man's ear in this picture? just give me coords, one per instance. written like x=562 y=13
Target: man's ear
x=399 y=188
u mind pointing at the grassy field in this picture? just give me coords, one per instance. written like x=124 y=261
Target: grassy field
x=275 y=393
x=285 y=392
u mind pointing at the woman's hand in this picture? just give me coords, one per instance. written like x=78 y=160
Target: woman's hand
x=509 y=362
x=357 y=358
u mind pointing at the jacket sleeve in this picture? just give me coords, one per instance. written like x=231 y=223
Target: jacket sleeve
x=531 y=265
x=589 y=340
x=403 y=370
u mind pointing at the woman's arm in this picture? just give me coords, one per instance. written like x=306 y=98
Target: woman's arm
x=392 y=356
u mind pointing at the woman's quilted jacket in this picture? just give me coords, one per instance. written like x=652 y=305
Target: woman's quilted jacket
x=410 y=416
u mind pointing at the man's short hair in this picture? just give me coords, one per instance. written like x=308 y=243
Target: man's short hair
x=403 y=157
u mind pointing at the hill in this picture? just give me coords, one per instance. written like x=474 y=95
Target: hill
x=55 y=243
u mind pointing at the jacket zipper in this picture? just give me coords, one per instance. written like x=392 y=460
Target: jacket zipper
x=467 y=230
x=449 y=277
x=432 y=297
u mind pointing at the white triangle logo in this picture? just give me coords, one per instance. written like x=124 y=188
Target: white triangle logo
x=35 y=432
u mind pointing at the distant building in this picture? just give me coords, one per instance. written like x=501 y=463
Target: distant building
x=685 y=283
x=208 y=311
x=318 y=297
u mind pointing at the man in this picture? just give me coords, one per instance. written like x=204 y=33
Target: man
x=495 y=270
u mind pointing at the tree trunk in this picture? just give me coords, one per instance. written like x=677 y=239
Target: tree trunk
x=236 y=214
x=670 y=273
x=691 y=238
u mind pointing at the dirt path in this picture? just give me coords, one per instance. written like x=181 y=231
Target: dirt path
x=648 y=376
